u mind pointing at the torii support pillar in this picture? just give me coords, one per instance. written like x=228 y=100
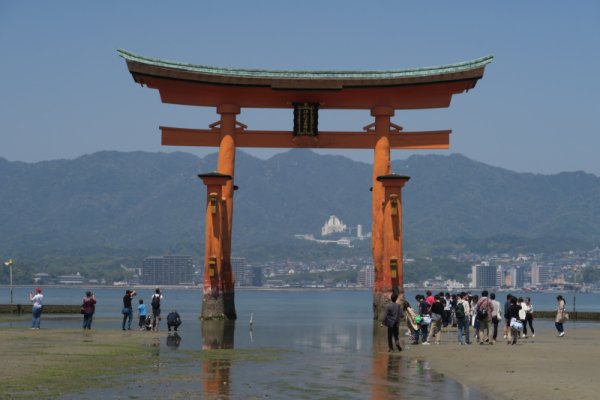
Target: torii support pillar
x=218 y=302
x=381 y=167
x=226 y=166
x=390 y=277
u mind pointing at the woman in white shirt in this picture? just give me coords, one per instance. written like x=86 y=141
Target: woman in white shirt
x=528 y=318
x=36 y=310
x=523 y=315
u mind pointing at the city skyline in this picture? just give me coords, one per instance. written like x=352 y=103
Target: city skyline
x=66 y=93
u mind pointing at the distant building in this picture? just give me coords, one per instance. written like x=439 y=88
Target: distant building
x=167 y=270
x=483 y=275
x=241 y=273
x=359 y=232
x=76 y=279
x=256 y=277
x=540 y=275
x=43 y=278
x=514 y=277
x=366 y=277
x=333 y=225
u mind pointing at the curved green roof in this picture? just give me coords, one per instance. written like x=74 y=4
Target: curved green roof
x=288 y=74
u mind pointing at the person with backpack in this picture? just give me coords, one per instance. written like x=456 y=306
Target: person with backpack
x=484 y=316
x=462 y=312
x=155 y=303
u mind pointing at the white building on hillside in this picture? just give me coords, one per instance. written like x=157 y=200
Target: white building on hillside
x=333 y=225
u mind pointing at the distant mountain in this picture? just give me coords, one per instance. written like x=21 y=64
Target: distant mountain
x=136 y=204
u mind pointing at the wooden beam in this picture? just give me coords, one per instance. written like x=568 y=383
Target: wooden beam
x=285 y=139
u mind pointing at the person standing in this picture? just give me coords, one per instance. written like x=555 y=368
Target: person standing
x=561 y=315
x=437 y=310
x=446 y=317
x=474 y=321
x=88 y=308
x=506 y=317
x=174 y=320
x=484 y=316
x=142 y=314
x=36 y=310
x=429 y=297
x=513 y=315
x=127 y=308
x=393 y=313
x=495 y=315
x=529 y=317
x=425 y=318
x=462 y=312
x=522 y=315
x=411 y=321
x=155 y=303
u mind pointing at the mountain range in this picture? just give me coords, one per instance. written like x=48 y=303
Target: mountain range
x=137 y=204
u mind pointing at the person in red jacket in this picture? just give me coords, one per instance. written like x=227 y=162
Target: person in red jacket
x=88 y=308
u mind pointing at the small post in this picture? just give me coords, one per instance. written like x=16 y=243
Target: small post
x=9 y=263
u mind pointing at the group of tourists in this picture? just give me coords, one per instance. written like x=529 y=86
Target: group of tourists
x=479 y=315
x=147 y=320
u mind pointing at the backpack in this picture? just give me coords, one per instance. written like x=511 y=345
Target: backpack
x=482 y=311
x=156 y=301
x=460 y=310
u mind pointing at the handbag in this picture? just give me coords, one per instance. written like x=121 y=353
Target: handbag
x=82 y=310
x=426 y=319
x=516 y=324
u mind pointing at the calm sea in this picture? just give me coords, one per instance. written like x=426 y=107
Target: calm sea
x=326 y=341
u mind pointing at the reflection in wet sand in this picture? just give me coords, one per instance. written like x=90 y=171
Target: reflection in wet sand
x=173 y=340
x=217 y=335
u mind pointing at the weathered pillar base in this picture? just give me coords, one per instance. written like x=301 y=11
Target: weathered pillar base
x=218 y=308
x=380 y=300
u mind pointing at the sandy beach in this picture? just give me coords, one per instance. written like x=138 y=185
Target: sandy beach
x=544 y=367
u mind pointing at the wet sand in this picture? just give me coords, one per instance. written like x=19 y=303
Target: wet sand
x=50 y=362
x=544 y=367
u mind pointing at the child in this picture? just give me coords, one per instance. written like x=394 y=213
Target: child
x=142 y=313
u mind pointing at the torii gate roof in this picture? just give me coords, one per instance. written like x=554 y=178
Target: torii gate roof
x=200 y=85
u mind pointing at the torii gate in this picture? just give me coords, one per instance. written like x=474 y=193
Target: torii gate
x=230 y=90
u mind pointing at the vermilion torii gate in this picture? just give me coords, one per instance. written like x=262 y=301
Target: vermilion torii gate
x=230 y=90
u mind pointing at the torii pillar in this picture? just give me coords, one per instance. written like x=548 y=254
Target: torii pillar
x=387 y=222
x=218 y=299
x=391 y=274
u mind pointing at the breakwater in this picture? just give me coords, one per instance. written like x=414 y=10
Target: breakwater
x=19 y=309
x=573 y=316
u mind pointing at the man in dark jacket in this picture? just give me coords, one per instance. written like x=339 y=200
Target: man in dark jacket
x=173 y=320
x=393 y=314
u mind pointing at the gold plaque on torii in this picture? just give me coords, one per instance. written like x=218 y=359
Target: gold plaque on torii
x=306 y=119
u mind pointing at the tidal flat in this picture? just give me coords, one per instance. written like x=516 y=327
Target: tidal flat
x=51 y=362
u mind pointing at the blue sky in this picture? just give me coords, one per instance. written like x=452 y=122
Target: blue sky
x=64 y=92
